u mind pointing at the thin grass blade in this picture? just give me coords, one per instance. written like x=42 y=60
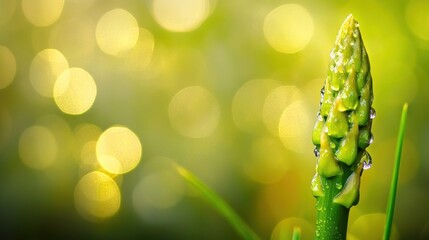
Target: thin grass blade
x=395 y=176
x=219 y=204
x=296 y=233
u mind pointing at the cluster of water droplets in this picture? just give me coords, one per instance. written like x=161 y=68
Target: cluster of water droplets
x=366 y=159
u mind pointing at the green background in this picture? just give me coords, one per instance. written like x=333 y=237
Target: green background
x=225 y=52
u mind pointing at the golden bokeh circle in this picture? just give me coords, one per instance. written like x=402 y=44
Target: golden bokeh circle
x=117 y=32
x=194 y=112
x=294 y=127
x=45 y=68
x=75 y=91
x=180 y=15
x=248 y=104
x=118 y=150
x=275 y=103
x=288 y=28
x=371 y=226
x=97 y=196
x=38 y=147
x=42 y=13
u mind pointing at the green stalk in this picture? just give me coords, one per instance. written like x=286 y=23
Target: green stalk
x=219 y=204
x=342 y=132
x=395 y=177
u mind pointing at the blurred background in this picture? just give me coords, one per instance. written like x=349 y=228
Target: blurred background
x=99 y=98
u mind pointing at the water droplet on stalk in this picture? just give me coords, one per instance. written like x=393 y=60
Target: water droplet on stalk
x=316 y=152
x=338 y=185
x=332 y=145
x=372 y=113
x=322 y=92
x=366 y=160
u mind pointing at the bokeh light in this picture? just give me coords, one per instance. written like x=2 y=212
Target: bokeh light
x=45 y=68
x=248 y=104
x=97 y=196
x=158 y=191
x=38 y=147
x=162 y=189
x=227 y=89
x=417 y=18
x=267 y=163
x=194 y=112
x=118 y=150
x=75 y=91
x=371 y=226
x=140 y=56
x=275 y=103
x=60 y=129
x=294 y=127
x=7 y=67
x=42 y=13
x=117 y=32
x=88 y=157
x=84 y=147
x=180 y=15
x=284 y=229
x=288 y=28
x=84 y=133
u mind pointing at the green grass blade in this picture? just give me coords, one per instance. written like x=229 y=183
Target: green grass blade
x=219 y=204
x=394 y=184
x=296 y=233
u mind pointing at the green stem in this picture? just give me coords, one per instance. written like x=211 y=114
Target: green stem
x=332 y=218
x=395 y=177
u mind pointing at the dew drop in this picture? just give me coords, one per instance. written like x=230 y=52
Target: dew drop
x=366 y=160
x=338 y=186
x=367 y=165
x=352 y=43
x=372 y=113
x=322 y=92
x=316 y=152
x=325 y=129
x=332 y=145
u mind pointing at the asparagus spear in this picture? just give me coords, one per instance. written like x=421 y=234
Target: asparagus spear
x=342 y=132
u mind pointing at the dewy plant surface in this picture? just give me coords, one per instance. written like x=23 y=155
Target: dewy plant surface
x=342 y=132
